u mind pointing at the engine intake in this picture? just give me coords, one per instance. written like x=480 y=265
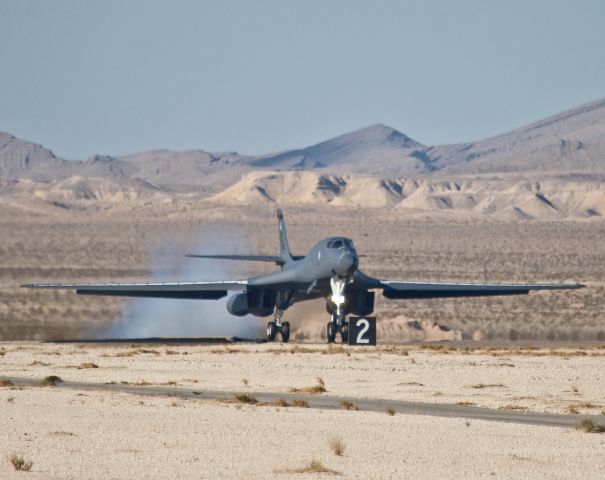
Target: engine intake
x=259 y=303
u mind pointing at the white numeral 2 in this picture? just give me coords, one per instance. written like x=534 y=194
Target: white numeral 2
x=363 y=331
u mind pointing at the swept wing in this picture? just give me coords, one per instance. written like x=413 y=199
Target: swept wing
x=412 y=290
x=209 y=290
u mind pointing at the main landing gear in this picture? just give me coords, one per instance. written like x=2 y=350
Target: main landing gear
x=278 y=326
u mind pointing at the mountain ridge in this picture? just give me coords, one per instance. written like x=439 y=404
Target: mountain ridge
x=356 y=147
x=573 y=140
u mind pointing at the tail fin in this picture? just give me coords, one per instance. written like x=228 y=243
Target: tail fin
x=284 y=249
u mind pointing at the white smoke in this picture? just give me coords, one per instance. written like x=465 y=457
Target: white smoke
x=151 y=317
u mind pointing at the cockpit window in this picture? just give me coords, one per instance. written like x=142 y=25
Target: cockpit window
x=336 y=244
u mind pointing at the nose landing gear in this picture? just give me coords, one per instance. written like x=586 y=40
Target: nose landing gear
x=338 y=322
x=335 y=325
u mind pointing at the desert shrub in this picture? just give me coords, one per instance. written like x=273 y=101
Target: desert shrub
x=589 y=426
x=348 y=405
x=51 y=381
x=320 y=387
x=20 y=464
x=244 y=398
x=486 y=385
x=337 y=446
x=38 y=363
x=314 y=466
x=511 y=406
x=88 y=365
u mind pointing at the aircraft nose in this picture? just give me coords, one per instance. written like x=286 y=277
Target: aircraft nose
x=347 y=263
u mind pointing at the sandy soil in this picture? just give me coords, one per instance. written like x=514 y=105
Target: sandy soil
x=544 y=380
x=85 y=434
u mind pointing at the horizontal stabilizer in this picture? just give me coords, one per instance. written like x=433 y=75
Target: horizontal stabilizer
x=250 y=258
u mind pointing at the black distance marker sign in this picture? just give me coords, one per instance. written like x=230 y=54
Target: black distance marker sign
x=362 y=331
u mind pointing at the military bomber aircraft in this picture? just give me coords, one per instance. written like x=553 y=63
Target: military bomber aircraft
x=330 y=271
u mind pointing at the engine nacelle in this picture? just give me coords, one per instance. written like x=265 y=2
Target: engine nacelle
x=357 y=303
x=362 y=303
x=258 y=303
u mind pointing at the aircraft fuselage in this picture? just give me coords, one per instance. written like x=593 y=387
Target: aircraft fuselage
x=331 y=257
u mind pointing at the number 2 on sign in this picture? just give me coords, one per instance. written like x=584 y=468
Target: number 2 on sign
x=363 y=331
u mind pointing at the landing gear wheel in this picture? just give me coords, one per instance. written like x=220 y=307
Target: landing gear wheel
x=331 y=332
x=271 y=331
x=285 y=332
x=344 y=333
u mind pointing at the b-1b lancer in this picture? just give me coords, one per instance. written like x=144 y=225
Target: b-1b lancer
x=330 y=271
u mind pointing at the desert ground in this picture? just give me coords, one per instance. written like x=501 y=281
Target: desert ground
x=109 y=420
x=82 y=432
x=144 y=411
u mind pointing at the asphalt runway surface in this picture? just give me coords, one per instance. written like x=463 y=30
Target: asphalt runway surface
x=531 y=344
x=328 y=402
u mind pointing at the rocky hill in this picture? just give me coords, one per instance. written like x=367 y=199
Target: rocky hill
x=498 y=198
x=553 y=168
x=19 y=159
x=572 y=141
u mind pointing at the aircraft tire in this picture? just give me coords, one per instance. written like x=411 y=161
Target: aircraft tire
x=331 y=332
x=344 y=333
x=271 y=331
x=285 y=332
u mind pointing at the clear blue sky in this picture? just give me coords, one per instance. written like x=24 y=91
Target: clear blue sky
x=116 y=77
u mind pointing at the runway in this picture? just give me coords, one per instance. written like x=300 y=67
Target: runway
x=328 y=402
x=454 y=344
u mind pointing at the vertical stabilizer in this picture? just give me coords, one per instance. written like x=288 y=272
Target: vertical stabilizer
x=284 y=249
